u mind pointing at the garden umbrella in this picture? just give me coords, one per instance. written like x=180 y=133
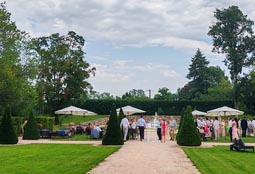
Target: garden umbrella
x=129 y=110
x=72 y=110
x=224 y=111
x=198 y=113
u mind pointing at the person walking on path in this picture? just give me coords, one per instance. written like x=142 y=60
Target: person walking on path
x=244 y=126
x=141 y=125
x=172 y=126
x=159 y=129
x=163 y=130
x=124 y=124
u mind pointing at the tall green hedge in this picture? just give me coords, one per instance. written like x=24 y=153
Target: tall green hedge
x=152 y=106
x=188 y=134
x=8 y=134
x=31 y=130
x=45 y=122
x=113 y=133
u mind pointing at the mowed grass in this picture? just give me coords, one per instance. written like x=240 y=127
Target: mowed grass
x=220 y=159
x=76 y=137
x=52 y=158
x=80 y=119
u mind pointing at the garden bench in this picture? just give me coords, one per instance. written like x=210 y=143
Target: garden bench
x=239 y=145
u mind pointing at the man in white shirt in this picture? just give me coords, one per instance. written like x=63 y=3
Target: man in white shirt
x=124 y=124
x=141 y=125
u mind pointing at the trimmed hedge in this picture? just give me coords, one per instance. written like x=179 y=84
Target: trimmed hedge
x=188 y=134
x=45 y=122
x=17 y=122
x=113 y=133
x=7 y=131
x=31 y=130
x=151 y=106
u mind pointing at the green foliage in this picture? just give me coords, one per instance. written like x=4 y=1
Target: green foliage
x=151 y=106
x=233 y=36
x=134 y=94
x=247 y=89
x=62 y=70
x=7 y=132
x=121 y=115
x=188 y=135
x=16 y=121
x=113 y=133
x=164 y=94
x=45 y=122
x=31 y=131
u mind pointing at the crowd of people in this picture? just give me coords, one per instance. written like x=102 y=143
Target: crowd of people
x=215 y=129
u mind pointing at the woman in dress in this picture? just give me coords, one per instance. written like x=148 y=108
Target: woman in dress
x=163 y=130
x=234 y=131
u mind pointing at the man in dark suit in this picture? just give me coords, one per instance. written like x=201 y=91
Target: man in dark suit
x=244 y=126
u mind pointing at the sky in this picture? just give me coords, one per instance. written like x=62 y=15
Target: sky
x=145 y=44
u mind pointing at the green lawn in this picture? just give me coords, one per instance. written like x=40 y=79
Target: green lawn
x=76 y=137
x=51 y=158
x=245 y=139
x=220 y=159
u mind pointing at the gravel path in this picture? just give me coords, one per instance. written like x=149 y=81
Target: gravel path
x=149 y=156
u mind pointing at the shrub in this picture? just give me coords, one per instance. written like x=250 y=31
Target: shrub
x=8 y=134
x=31 y=131
x=17 y=122
x=45 y=122
x=113 y=132
x=188 y=134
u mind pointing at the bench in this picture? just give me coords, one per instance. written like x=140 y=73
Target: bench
x=239 y=145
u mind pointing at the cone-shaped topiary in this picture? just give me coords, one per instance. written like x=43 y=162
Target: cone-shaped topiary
x=8 y=134
x=113 y=133
x=180 y=125
x=188 y=134
x=31 y=131
x=121 y=115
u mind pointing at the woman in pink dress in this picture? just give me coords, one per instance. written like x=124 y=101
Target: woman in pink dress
x=163 y=130
x=234 y=131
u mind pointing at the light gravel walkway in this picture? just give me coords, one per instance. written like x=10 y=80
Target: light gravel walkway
x=149 y=156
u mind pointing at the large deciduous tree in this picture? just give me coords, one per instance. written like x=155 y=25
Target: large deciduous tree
x=15 y=90
x=164 y=94
x=62 y=70
x=232 y=35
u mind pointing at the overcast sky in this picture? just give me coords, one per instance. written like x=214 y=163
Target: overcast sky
x=134 y=44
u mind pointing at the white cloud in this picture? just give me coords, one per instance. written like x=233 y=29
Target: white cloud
x=168 y=73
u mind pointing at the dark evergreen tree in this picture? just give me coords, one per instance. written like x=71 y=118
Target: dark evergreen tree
x=188 y=134
x=7 y=132
x=31 y=130
x=180 y=125
x=121 y=116
x=113 y=133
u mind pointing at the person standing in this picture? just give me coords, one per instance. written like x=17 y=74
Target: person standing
x=141 y=125
x=216 y=128
x=230 y=128
x=244 y=126
x=158 y=126
x=172 y=126
x=133 y=129
x=124 y=124
x=253 y=126
x=234 y=131
x=163 y=130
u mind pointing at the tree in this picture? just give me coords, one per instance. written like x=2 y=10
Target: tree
x=15 y=90
x=232 y=35
x=247 y=92
x=198 y=74
x=31 y=130
x=164 y=94
x=7 y=132
x=113 y=133
x=62 y=69
x=134 y=94
x=188 y=135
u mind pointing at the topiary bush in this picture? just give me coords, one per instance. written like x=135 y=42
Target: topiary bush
x=113 y=133
x=188 y=134
x=8 y=134
x=31 y=131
